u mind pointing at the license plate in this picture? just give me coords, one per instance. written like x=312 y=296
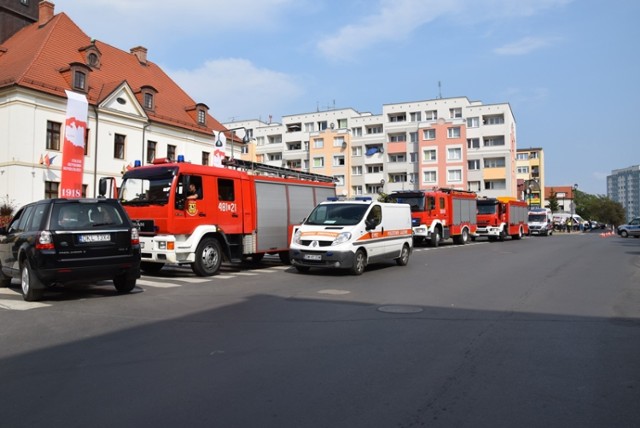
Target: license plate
x=313 y=256
x=104 y=237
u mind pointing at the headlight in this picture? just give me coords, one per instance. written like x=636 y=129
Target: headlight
x=296 y=237
x=342 y=238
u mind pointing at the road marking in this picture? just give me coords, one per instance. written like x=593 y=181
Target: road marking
x=157 y=284
x=16 y=302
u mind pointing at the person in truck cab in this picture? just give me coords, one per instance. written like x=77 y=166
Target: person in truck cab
x=194 y=193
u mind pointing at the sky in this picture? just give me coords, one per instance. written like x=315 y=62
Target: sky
x=570 y=69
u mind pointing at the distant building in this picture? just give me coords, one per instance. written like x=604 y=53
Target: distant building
x=565 y=196
x=450 y=142
x=530 y=174
x=623 y=186
x=136 y=112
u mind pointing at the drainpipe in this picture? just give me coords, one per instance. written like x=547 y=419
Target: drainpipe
x=95 y=156
x=144 y=133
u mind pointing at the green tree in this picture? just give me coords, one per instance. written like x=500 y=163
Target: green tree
x=599 y=208
x=552 y=202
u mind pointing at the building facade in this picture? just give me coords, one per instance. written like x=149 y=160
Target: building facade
x=530 y=175
x=623 y=186
x=450 y=142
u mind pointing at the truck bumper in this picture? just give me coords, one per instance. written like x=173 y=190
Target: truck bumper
x=488 y=231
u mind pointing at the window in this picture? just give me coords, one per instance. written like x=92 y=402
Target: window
x=455 y=113
x=339 y=179
x=473 y=122
x=416 y=116
x=79 y=80
x=495 y=185
x=413 y=157
x=398 y=117
x=318 y=162
x=413 y=137
x=431 y=115
x=523 y=170
x=148 y=101
x=398 y=178
x=171 y=151
x=494 y=141
x=474 y=186
x=522 y=156
x=118 y=146
x=338 y=160
x=454 y=153
x=494 y=119
x=374 y=129
x=342 y=124
x=374 y=169
x=294 y=146
x=244 y=149
x=356 y=151
x=429 y=134
x=322 y=125
x=453 y=132
x=205 y=158
x=473 y=143
x=226 y=191
x=356 y=190
x=51 y=189
x=532 y=155
x=338 y=142
x=357 y=132
x=318 y=143
x=494 y=163
x=274 y=156
x=399 y=157
x=473 y=164
x=151 y=150
x=86 y=142
x=356 y=170
x=309 y=127
x=429 y=155
x=53 y=135
x=398 y=138
x=294 y=164
x=429 y=177
x=374 y=188
x=454 y=175
x=93 y=60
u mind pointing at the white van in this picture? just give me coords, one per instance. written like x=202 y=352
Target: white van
x=349 y=234
x=540 y=222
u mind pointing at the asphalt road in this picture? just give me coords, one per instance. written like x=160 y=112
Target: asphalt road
x=542 y=332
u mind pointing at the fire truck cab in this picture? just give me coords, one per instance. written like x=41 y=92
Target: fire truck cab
x=242 y=211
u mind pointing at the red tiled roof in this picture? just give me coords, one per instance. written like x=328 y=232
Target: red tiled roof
x=34 y=57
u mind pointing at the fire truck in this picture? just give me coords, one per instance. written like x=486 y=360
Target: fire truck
x=237 y=212
x=440 y=214
x=501 y=217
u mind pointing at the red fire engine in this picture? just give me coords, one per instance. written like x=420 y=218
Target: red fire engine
x=440 y=214
x=499 y=217
x=241 y=211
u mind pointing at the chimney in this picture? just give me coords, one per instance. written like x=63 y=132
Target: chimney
x=141 y=53
x=45 y=12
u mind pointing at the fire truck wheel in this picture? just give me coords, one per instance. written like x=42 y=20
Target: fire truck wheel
x=503 y=234
x=519 y=234
x=208 y=257
x=465 y=236
x=404 y=256
x=149 y=267
x=359 y=262
x=435 y=238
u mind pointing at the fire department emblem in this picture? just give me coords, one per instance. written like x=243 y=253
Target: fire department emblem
x=192 y=208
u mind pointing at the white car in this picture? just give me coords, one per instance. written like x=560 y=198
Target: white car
x=630 y=229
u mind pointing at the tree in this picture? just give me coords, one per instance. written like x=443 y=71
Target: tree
x=599 y=208
x=552 y=202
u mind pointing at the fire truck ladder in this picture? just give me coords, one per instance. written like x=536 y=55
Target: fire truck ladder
x=277 y=171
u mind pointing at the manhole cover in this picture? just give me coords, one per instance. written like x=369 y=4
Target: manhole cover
x=400 y=309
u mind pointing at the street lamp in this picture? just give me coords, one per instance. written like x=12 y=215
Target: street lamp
x=222 y=138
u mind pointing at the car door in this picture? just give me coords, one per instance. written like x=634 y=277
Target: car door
x=10 y=244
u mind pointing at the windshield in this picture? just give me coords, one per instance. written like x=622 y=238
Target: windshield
x=537 y=218
x=147 y=186
x=337 y=214
x=415 y=202
x=486 y=208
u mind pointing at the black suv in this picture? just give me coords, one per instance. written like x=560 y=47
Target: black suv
x=58 y=241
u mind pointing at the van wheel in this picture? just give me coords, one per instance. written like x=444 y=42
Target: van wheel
x=208 y=257
x=150 y=267
x=125 y=283
x=302 y=269
x=359 y=262
x=404 y=256
x=28 y=281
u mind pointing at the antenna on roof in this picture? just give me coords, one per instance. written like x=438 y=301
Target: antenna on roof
x=439 y=90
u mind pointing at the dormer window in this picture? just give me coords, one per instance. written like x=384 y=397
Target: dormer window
x=92 y=59
x=148 y=97
x=202 y=116
x=79 y=80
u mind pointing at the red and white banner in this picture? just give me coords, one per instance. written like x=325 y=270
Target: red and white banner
x=73 y=146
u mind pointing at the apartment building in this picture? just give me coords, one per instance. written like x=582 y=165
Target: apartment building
x=530 y=176
x=623 y=186
x=446 y=142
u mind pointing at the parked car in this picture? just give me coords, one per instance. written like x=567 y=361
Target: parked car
x=61 y=241
x=630 y=229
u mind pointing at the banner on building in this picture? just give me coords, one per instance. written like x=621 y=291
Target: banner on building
x=73 y=146
x=219 y=149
